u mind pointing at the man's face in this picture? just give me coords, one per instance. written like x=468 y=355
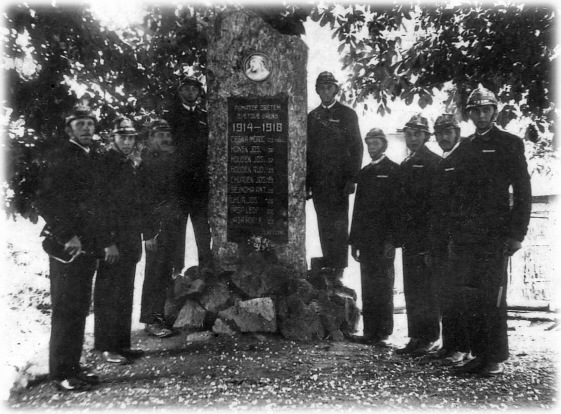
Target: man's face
x=447 y=138
x=376 y=147
x=189 y=94
x=414 y=139
x=125 y=143
x=81 y=131
x=327 y=92
x=162 y=142
x=482 y=116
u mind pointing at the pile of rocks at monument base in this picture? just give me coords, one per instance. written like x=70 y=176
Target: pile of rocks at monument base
x=262 y=295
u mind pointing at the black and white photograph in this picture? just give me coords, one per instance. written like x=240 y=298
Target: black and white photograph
x=280 y=206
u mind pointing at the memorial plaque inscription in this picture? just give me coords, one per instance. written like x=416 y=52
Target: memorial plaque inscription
x=258 y=168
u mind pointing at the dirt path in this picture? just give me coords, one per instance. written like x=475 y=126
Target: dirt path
x=268 y=374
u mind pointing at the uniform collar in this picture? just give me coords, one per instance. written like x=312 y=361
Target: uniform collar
x=189 y=108
x=420 y=151
x=379 y=160
x=484 y=135
x=329 y=106
x=86 y=149
x=447 y=153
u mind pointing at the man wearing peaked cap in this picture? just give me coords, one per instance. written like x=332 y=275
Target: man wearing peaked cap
x=189 y=131
x=372 y=238
x=168 y=255
x=71 y=200
x=80 y=112
x=326 y=78
x=190 y=80
x=417 y=173
x=488 y=229
x=123 y=126
x=455 y=345
x=418 y=122
x=334 y=157
x=130 y=223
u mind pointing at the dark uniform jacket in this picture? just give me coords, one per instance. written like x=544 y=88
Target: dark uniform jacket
x=335 y=149
x=190 y=135
x=417 y=175
x=376 y=203
x=444 y=186
x=159 y=169
x=72 y=197
x=130 y=215
x=481 y=207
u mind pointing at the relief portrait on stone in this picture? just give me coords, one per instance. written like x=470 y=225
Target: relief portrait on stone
x=256 y=67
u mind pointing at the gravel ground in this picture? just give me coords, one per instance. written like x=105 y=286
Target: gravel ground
x=200 y=372
x=264 y=373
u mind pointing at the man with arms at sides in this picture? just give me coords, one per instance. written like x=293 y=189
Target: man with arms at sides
x=72 y=202
x=334 y=157
x=372 y=238
x=455 y=344
x=417 y=173
x=486 y=229
x=159 y=159
x=189 y=130
x=130 y=222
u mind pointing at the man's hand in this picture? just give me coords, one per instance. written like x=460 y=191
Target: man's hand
x=349 y=188
x=151 y=245
x=511 y=246
x=355 y=253
x=111 y=254
x=73 y=246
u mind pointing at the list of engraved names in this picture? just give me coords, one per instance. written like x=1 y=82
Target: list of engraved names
x=258 y=168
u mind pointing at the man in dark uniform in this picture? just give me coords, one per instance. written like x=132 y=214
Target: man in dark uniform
x=372 y=238
x=455 y=345
x=189 y=130
x=158 y=159
x=487 y=229
x=334 y=158
x=417 y=173
x=71 y=200
x=130 y=222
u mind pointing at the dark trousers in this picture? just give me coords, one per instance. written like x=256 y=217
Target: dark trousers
x=482 y=269
x=71 y=287
x=454 y=333
x=160 y=266
x=419 y=288
x=377 y=281
x=333 y=228
x=113 y=300
x=196 y=207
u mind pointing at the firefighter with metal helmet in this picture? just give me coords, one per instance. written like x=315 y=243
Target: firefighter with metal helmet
x=334 y=157
x=417 y=175
x=71 y=200
x=372 y=238
x=455 y=345
x=189 y=130
x=131 y=223
x=487 y=229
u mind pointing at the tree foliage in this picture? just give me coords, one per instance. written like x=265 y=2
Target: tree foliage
x=408 y=51
x=60 y=54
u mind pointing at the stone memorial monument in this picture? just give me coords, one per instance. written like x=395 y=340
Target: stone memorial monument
x=257 y=100
x=257 y=113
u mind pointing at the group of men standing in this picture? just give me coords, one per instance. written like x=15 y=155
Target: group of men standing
x=457 y=218
x=451 y=215
x=99 y=206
